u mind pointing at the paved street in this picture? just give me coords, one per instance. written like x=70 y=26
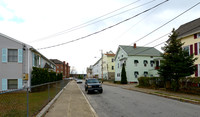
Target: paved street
x=118 y=102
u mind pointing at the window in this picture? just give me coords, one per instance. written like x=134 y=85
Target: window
x=112 y=59
x=12 y=84
x=198 y=35
x=136 y=62
x=136 y=73
x=36 y=60
x=187 y=48
x=12 y=55
x=145 y=63
x=152 y=63
x=118 y=74
x=112 y=67
x=145 y=74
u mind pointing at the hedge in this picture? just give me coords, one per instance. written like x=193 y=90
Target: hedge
x=187 y=85
x=154 y=82
x=41 y=76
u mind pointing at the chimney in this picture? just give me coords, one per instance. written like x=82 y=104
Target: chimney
x=134 y=45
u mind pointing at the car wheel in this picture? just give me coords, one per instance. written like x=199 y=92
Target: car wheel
x=101 y=91
x=88 y=92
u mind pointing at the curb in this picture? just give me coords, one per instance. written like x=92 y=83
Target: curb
x=94 y=112
x=46 y=108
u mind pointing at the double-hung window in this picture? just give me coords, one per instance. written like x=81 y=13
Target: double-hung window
x=136 y=73
x=12 y=55
x=187 y=49
x=12 y=83
x=136 y=62
x=145 y=63
x=152 y=63
x=145 y=74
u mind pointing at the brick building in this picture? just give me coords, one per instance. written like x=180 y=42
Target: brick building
x=62 y=67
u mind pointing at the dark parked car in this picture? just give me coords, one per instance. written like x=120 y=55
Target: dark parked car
x=92 y=85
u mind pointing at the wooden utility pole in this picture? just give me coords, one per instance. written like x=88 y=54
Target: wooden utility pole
x=102 y=65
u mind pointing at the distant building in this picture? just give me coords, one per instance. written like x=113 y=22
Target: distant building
x=139 y=61
x=189 y=34
x=16 y=63
x=109 y=65
x=89 y=72
x=62 y=67
x=96 y=69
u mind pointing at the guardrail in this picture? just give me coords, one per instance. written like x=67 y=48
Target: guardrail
x=28 y=101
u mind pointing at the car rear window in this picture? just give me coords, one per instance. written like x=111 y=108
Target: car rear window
x=92 y=81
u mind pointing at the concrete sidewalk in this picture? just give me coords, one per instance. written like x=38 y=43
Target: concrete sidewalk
x=195 y=99
x=71 y=103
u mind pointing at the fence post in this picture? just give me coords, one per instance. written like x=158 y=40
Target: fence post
x=27 y=101
x=48 y=93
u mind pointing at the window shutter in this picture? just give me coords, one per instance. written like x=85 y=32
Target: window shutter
x=191 y=49
x=4 y=84
x=20 y=55
x=33 y=55
x=4 y=55
x=196 y=72
x=41 y=62
x=19 y=83
x=195 y=36
x=195 y=49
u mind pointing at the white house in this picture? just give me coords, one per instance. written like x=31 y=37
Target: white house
x=139 y=61
x=97 y=69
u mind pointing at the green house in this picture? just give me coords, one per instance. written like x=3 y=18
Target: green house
x=139 y=62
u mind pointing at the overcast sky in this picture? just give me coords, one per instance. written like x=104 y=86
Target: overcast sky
x=44 y=23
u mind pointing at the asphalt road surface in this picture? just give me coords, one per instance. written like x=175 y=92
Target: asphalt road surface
x=118 y=102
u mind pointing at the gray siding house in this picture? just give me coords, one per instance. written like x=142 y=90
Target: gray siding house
x=16 y=62
x=139 y=61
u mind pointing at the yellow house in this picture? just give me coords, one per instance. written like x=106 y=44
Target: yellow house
x=189 y=34
x=109 y=65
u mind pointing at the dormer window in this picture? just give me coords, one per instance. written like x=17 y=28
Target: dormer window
x=145 y=63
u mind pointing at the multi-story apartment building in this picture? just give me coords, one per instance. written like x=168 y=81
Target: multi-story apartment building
x=109 y=65
x=62 y=67
x=139 y=61
x=189 y=34
x=16 y=62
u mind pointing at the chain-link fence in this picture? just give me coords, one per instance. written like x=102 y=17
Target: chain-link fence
x=29 y=101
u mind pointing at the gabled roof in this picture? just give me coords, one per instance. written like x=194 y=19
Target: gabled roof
x=47 y=66
x=56 y=61
x=140 y=51
x=189 y=28
x=12 y=39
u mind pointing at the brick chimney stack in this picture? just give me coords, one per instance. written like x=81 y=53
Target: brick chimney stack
x=134 y=45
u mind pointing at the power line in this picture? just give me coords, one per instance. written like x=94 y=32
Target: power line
x=134 y=25
x=105 y=28
x=167 y=22
x=165 y=41
x=93 y=21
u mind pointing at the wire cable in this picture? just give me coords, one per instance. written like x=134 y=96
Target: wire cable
x=105 y=28
x=167 y=22
x=88 y=23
